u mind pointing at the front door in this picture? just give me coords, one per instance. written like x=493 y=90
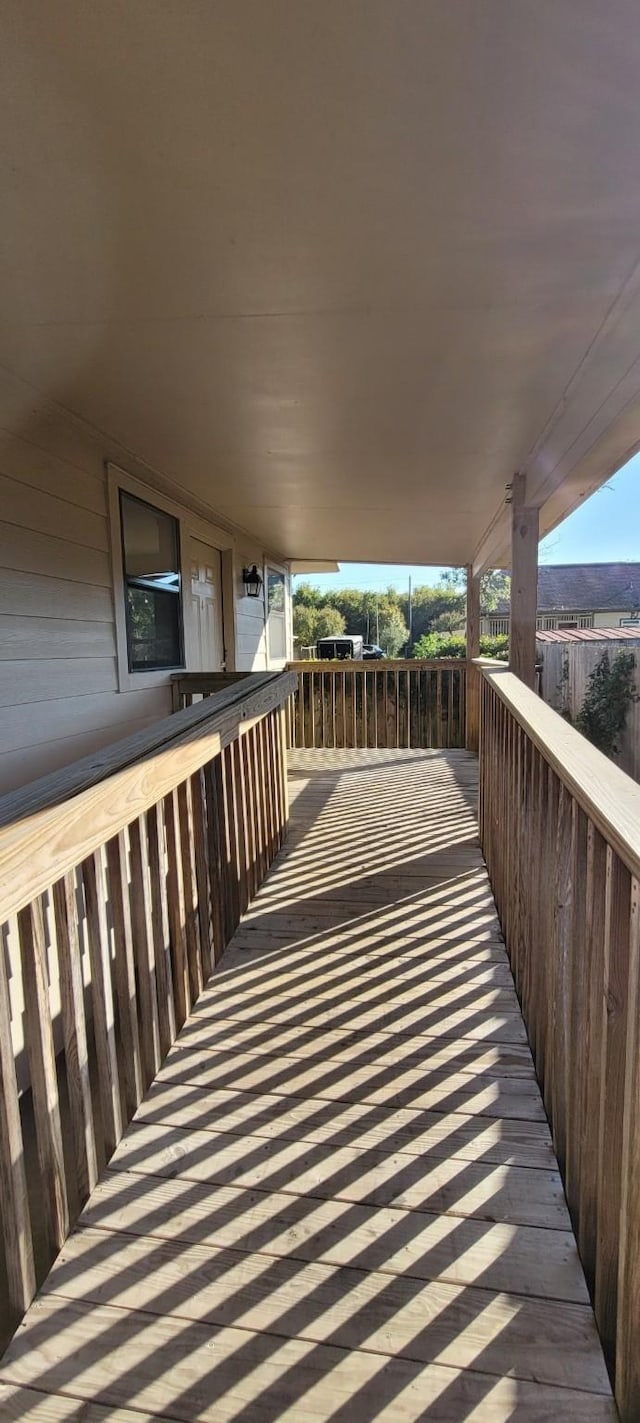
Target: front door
x=205 y=641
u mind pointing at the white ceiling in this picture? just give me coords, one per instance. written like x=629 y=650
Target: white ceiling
x=338 y=267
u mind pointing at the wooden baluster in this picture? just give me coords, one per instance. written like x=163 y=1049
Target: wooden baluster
x=124 y=972
x=255 y=790
x=278 y=803
x=613 y=1075
x=588 y=1124
x=176 y=912
x=16 y=1220
x=232 y=874
x=322 y=683
x=267 y=753
x=311 y=741
x=42 y=1069
x=160 y=928
x=75 y=1034
x=242 y=851
x=104 y=1027
x=283 y=783
x=142 y=930
x=450 y=736
x=262 y=772
x=525 y=845
x=560 y=981
x=578 y=1005
x=203 y=881
x=190 y=891
x=627 y=1352
x=214 y=798
x=249 y=810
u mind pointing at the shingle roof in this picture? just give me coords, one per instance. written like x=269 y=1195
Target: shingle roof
x=586 y=587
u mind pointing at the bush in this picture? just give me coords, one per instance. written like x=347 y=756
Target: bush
x=610 y=693
x=454 y=644
x=495 y=647
x=440 y=644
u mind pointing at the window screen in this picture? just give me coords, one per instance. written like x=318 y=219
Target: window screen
x=151 y=559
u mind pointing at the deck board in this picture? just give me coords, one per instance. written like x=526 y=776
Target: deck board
x=339 y=1199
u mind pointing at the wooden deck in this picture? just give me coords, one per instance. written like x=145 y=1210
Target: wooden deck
x=339 y=1200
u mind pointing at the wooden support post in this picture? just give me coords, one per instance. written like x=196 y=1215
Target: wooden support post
x=472 y=713
x=524 y=584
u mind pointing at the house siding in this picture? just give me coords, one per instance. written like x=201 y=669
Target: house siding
x=59 y=691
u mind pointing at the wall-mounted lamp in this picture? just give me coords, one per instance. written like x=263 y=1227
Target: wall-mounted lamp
x=252 y=581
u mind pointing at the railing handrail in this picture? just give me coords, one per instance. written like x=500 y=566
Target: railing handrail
x=89 y=770
x=605 y=793
x=56 y=822
x=377 y=664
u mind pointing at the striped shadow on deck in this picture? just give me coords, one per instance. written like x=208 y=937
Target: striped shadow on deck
x=339 y=1199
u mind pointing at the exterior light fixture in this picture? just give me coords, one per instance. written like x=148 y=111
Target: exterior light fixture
x=252 y=581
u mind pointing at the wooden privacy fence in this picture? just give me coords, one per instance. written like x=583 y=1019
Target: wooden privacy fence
x=385 y=703
x=560 y=830
x=121 y=880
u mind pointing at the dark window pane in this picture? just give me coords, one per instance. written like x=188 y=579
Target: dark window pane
x=152 y=586
x=153 y=627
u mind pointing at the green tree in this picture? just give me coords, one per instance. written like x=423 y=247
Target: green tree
x=495 y=585
x=310 y=623
x=329 y=623
x=431 y=604
x=393 y=631
x=305 y=595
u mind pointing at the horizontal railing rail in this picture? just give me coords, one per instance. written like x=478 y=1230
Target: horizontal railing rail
x=560 y=830
x=121 y=880
x=187 y=687
x=385 y=703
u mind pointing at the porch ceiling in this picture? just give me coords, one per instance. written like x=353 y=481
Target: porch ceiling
x=336 y=268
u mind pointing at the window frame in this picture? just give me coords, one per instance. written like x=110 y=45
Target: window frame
x=271 y=565
x=190 y=525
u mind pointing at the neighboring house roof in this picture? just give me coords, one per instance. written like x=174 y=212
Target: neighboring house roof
x=589 y=635
x=584 y=587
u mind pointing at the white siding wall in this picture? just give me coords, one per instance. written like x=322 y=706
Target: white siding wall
x=251 y=642
x=59 y=696
x=609 y=620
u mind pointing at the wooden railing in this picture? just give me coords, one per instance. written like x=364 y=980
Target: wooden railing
x=190 y=687
x=560 y=829
x=384 y=703
x=121 y=880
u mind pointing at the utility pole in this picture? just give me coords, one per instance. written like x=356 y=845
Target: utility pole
x=377 y=620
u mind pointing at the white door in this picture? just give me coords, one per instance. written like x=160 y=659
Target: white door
x=205 y=640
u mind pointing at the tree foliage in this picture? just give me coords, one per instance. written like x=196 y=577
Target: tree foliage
x=495 y=586
x=386 y=617
x=310 y=623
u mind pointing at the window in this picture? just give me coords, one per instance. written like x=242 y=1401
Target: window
x=276 y=618
x=275 y=591
x=153 y=597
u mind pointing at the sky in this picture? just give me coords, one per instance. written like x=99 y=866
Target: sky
x=605 y=529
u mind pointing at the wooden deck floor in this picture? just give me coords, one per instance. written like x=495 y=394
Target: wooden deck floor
x=339 y=1200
